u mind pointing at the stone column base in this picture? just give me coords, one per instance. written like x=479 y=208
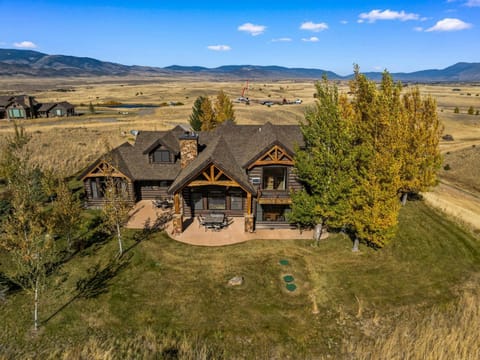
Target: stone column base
x=177 y=223
x=249 y=223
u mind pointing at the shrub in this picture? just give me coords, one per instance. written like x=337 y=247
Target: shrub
x=456 y=110
x=447 y=167
x=471 y=110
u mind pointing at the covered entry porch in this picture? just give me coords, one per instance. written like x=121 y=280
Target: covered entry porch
x=212 y=191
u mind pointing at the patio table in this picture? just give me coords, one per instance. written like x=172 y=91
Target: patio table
x=215 y=221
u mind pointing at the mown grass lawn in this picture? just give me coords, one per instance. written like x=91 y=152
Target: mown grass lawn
x=175 y=289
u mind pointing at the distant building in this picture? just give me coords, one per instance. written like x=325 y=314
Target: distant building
x=26 y=107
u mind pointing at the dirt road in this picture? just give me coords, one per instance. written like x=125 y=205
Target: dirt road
x=456 y=202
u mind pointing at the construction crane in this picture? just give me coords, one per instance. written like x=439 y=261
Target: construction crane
x=245 y=88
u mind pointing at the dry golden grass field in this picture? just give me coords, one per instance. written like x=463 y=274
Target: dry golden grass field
x=70 y=144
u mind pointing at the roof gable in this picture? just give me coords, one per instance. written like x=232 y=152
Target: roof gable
x=274 y=154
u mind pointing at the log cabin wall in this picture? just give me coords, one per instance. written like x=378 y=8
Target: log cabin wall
x=97 y=202
x=152 y=190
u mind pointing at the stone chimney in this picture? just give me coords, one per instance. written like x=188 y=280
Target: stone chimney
x=188 y=148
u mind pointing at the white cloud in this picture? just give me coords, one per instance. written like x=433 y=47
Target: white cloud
x=473 y=3
x=25 y=45
x=311 y=26
x=375 y=15
x=311 y=39
x=418 y=28
x=283 y=39
x=219 y=47
x=252 y=29
x=450 y=24
x=344 y=22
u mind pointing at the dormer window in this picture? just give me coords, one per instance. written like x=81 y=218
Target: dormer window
x=161 y=156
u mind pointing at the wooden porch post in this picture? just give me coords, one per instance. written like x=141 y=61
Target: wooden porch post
x=177 y=217
x=249 y=221
x=176 y=199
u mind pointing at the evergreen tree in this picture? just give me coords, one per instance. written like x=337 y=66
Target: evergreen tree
x=91 y=108
x=325 y=164
x=223 y=108
x=196 y=116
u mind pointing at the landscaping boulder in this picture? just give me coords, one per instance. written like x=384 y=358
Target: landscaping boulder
x=236 y=281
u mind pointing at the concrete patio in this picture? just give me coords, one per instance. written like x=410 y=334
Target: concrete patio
x=145 y=213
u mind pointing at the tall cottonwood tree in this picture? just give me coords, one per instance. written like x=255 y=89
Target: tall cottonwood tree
x=325 y=164
x=395 y=150
x=207 y=116
x=421 y=153
x=377 y=122
x=223 y=108
x=24 y=233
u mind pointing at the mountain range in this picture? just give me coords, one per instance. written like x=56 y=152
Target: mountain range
x=15 y=62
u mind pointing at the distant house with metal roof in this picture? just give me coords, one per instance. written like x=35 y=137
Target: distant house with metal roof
x=26 y=107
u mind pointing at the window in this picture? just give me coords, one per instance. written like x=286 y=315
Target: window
x=216 y=200
x=98 y=187
x=236 y=200
x=94 y=189
x=58 y=112
x=161 y=156
x=255 y=180
x=274 y=178
x=15 y=113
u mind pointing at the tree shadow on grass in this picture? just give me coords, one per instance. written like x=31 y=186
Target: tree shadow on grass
x=150 y=228
x=7 y=286
x=80 y=247
x=96 y=282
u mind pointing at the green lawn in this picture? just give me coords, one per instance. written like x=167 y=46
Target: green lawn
x=176 y=290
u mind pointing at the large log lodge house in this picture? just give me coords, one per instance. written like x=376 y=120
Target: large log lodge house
x=240 y=170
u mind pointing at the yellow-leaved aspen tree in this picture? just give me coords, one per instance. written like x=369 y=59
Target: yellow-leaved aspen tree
x=24 y=234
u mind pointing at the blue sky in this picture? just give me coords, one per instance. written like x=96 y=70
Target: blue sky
x=331 y=35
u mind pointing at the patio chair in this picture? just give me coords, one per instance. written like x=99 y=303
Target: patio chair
x=201 y=221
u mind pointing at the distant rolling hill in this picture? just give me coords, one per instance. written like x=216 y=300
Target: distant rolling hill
x=15 y=62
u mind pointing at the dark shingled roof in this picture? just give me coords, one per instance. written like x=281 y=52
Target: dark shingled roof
x=46 y=106
x=66 y=105
x=5 y=100
x=117 y=159
x=230 y=147
x=219 y=154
